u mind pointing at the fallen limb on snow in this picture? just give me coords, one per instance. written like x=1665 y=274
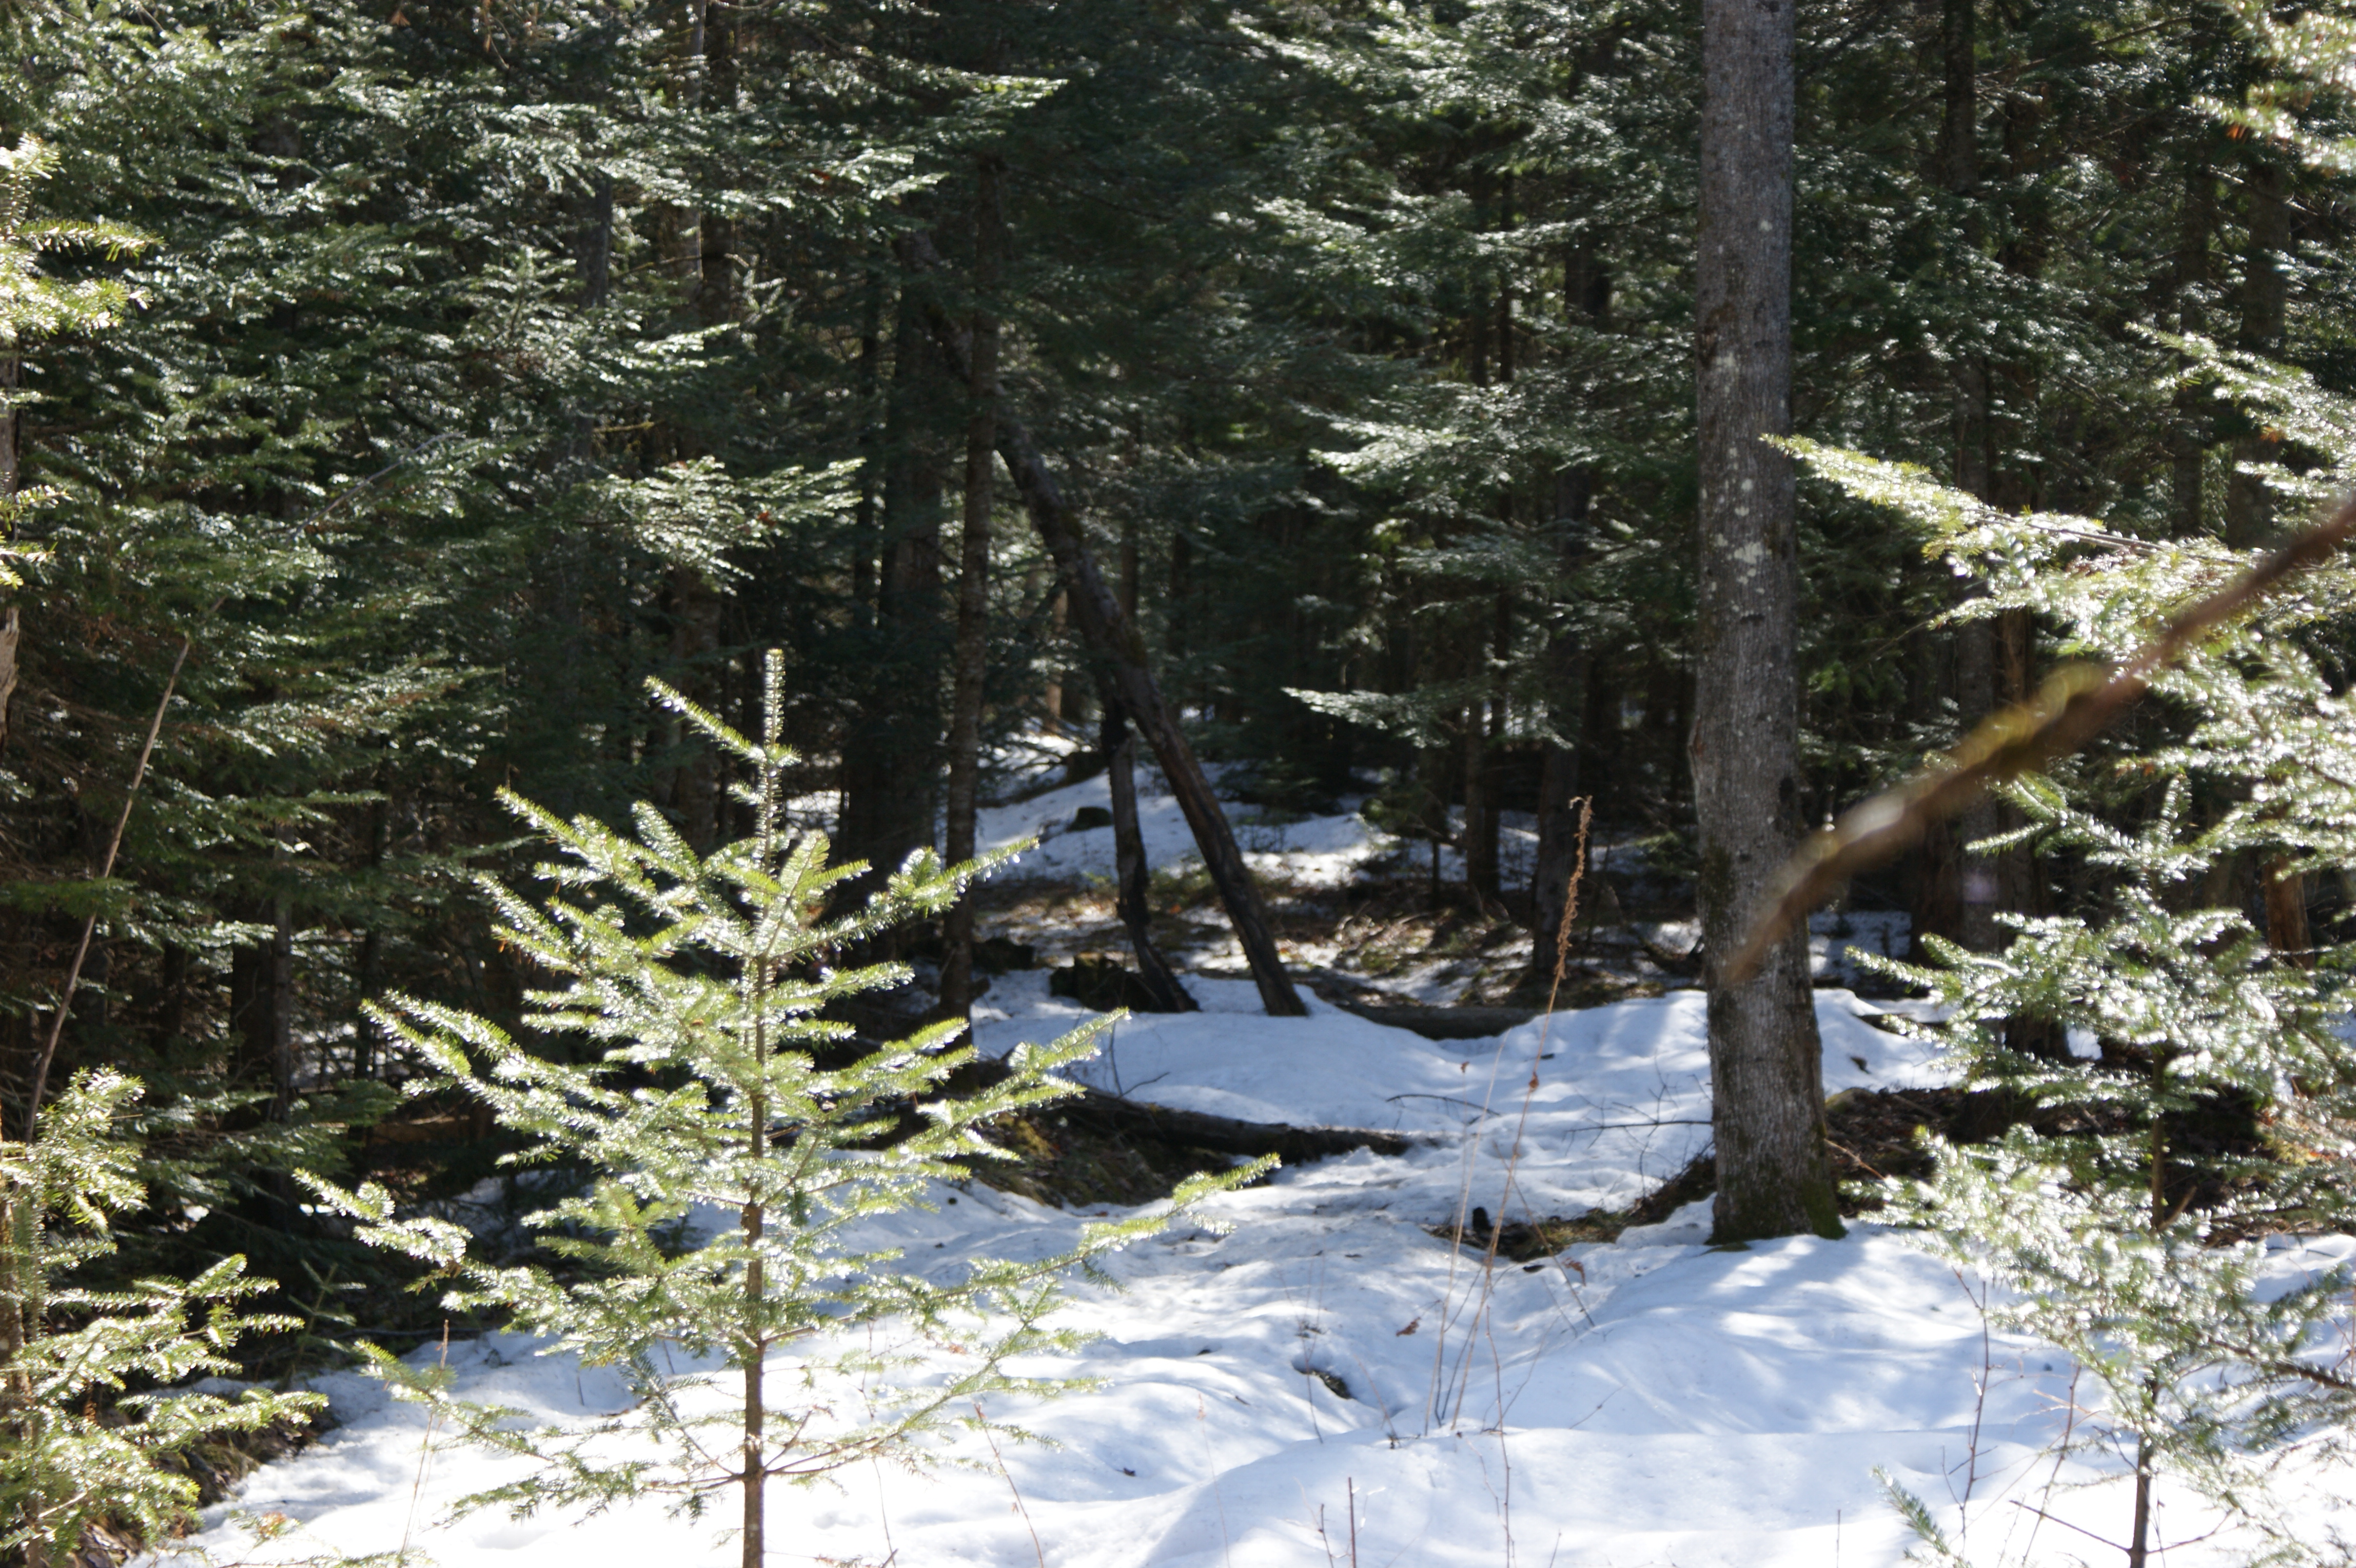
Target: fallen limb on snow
x=1199 y=1130
x=1093 y=1110
x=1443 y=1023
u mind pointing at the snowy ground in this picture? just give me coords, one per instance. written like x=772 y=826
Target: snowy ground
x=1329 y=1383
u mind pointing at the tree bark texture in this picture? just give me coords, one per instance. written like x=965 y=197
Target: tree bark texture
x=1766 y=1072
x=1131 y=875
x=973 y=594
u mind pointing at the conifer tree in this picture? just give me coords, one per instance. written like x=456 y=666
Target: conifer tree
x=2212 y=1105
x=79 y=1451
x=702 y=982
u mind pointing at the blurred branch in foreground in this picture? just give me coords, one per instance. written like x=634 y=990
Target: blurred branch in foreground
x=2075 y=703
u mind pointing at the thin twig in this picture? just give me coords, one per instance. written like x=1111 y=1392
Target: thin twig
x=356 y=485
x=90 y=926
x=984 y=1422
x=1483 y=1321
x=425 y=1460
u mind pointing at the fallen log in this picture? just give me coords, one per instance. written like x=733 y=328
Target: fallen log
x=1093 y=1110
x=1443 y=1023
x=1224 y=1135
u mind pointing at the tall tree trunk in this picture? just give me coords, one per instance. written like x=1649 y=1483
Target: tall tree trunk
x=2287 y=929
x=890 y=753
x=1480 y=810
x=2266 y=298
x=973 y=594
x=1131 y=877
x=12 y=369
x=1766 y=1069
x=261 y=1007
x=11 y=626
x=863 y=534
x=1587 y=301
x=1059 y=620
x=1558 y=780
x=695 y=789
x=1974 y=641
x=2188 y=442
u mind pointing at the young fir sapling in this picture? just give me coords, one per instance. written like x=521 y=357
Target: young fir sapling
x=718 y=1087
x=2133 y=1221
x=79 y=1452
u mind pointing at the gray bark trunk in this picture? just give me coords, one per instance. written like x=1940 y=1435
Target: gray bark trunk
x=973 y=597
x=1766 y=1074
x=2266 y=298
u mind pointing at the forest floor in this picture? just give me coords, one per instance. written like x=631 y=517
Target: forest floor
x=1363 y=911
x=1315 y=1370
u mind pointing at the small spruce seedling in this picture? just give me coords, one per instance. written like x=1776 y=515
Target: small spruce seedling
x=81 y=1451
x=702 y=982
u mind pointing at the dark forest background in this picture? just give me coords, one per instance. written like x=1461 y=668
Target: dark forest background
x=491 y=358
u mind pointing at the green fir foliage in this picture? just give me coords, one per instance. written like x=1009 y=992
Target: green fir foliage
x=733 y=1138
x=92 y=1428
x=2184 y=1092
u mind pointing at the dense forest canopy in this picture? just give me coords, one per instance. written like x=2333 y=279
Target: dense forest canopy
x=474 y=366
x=390 y=390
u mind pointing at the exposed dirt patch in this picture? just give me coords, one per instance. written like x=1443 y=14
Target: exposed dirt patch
x=1060 y=1160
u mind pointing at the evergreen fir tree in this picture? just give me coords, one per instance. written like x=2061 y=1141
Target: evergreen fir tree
x=702 y=982
x=2214 y=1104
x=90 y=1426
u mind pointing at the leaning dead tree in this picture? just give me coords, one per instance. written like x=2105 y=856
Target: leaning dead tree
x=1114 y=643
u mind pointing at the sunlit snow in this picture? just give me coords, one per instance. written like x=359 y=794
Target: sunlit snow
x=1328 y=1370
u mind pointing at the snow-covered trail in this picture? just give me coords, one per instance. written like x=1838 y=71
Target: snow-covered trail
x=1327 y=1368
